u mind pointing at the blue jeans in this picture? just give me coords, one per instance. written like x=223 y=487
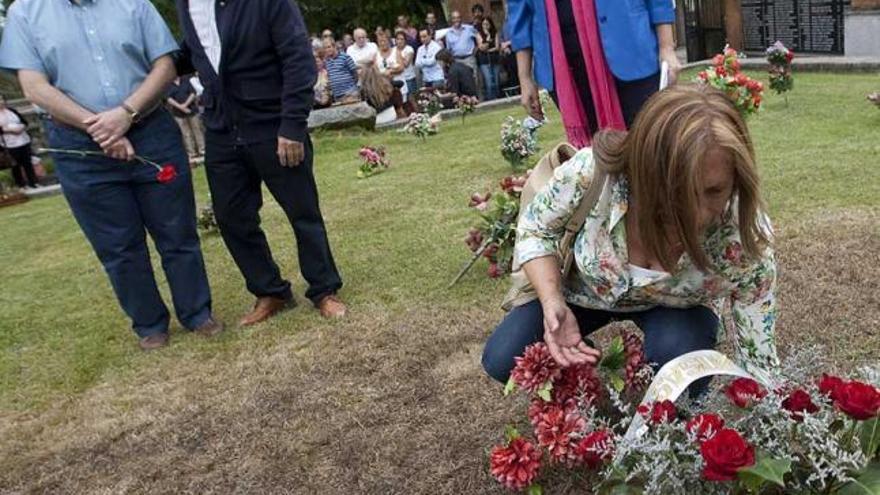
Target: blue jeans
x=490 y=80
x=412 y=89
x=117 y=203
x=669 y=333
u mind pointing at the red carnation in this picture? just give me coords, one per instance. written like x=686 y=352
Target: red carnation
x=744 y=391
x=166 y=174
x=799 y=402
x=535 y=368
x=718 y=60
x=658 y=412
x=480 y=201
x=516 y=465
x=494 y=271
x=724 y=454
x=595 y=448
x=490 y=251
x=828 y=385
x=859 y=400
x=720 y=71
x=741 y=79
x=789 y=56
x=703 y=75
x=556 y=430
x=579 y=382
x=705 y=426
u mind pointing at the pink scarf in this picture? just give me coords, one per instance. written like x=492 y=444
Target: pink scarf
x=605 y=101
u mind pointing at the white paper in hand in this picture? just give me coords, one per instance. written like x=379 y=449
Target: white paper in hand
x=664 y=75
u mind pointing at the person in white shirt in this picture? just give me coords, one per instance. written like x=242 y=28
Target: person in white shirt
x=17 y=142
x=407 y=58
x=426 y=61
x=363 y=51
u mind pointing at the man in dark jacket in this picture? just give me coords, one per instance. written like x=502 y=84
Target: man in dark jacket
x=459 y=76
x=256 y=64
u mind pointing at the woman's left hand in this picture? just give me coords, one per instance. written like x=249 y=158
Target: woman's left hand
x=668 y=55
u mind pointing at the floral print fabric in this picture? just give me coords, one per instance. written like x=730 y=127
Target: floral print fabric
x=604 y=280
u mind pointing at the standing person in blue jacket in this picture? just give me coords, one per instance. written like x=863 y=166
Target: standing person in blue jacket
x=256 y=64
x=636 y=37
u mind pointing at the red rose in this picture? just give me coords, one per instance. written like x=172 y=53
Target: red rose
x=705 y=426
x=166 y=174
x=724 y=454
x=516 y=465
x=595 y=448
x=828 y=385
x=859 y=400
x=658 y=412
x=799 y=402
x=744 y=391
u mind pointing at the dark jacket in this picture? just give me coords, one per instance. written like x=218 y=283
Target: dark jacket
x=267 y=70
x=460 y=80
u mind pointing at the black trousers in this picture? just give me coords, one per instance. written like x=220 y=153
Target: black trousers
x=23 y=171
x=632 y=94
x=236 y=171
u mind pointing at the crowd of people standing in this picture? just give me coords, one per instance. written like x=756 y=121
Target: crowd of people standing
x=390 y=69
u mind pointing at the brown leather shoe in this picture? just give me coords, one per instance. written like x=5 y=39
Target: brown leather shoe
x=153 y=342
x=265 y=308
x=332 y=307
x=209 y=328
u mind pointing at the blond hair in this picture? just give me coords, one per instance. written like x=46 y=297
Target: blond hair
x=662 y=158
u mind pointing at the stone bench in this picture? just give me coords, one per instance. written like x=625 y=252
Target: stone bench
x=343 y=116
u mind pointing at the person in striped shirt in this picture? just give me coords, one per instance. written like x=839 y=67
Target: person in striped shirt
x=343 y=73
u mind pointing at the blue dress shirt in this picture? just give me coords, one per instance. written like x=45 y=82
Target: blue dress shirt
x=625 y=26
x=461 y=42
x=96 y=52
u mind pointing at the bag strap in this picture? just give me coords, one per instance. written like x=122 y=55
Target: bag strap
x=588 y=202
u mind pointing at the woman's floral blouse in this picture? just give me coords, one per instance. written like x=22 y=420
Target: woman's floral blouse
x=604 y=280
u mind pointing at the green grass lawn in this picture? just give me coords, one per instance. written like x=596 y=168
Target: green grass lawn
x=397 y=238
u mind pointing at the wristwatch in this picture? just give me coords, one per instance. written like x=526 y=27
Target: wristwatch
x=133 y=114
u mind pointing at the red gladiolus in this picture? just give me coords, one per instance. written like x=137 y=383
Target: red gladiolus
x=516 y=465
x=799 y=402
x=744 y=392
x=658 y=412
x=828 y=385
x=705 y=426
x=595 y=448
x=535 y=368
x=858 y=400
x=166 y=174
x=724 y=454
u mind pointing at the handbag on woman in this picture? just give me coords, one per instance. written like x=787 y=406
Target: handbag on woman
x=521 y=290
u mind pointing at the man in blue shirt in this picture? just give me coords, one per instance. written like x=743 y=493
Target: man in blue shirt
x=99 y=69
x=342 y=72
x=462 y=41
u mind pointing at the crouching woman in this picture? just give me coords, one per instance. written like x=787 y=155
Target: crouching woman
x=678 y=229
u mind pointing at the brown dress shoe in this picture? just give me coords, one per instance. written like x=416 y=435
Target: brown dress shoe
x=153 y=342
x=265 y=308
x=209 y=328
x=332 y=307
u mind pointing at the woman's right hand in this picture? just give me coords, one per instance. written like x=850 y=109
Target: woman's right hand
x=563 y=336
x=530 y=99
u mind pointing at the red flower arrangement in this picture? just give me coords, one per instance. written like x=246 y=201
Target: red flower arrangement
x=725 y=75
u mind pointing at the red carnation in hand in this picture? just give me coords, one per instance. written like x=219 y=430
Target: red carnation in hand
x=535 y=368
x=858 y=400
x=490 y=251
x=658 y=412
x=744 y=392
x=516 y=465
x=556 y=430
x=166 y=174
x=828 y=385
x=799 y=402
x=724 y=454
x=494 y=271
x=705 y=426
x=595 y=448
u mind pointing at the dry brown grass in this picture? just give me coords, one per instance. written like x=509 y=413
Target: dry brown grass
x=381 y=403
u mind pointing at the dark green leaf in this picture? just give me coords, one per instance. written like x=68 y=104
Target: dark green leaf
x=765 y=469
x=869 y=436
x=867 y=482
x=614 y=355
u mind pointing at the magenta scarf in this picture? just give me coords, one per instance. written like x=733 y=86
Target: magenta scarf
x=605 y=101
